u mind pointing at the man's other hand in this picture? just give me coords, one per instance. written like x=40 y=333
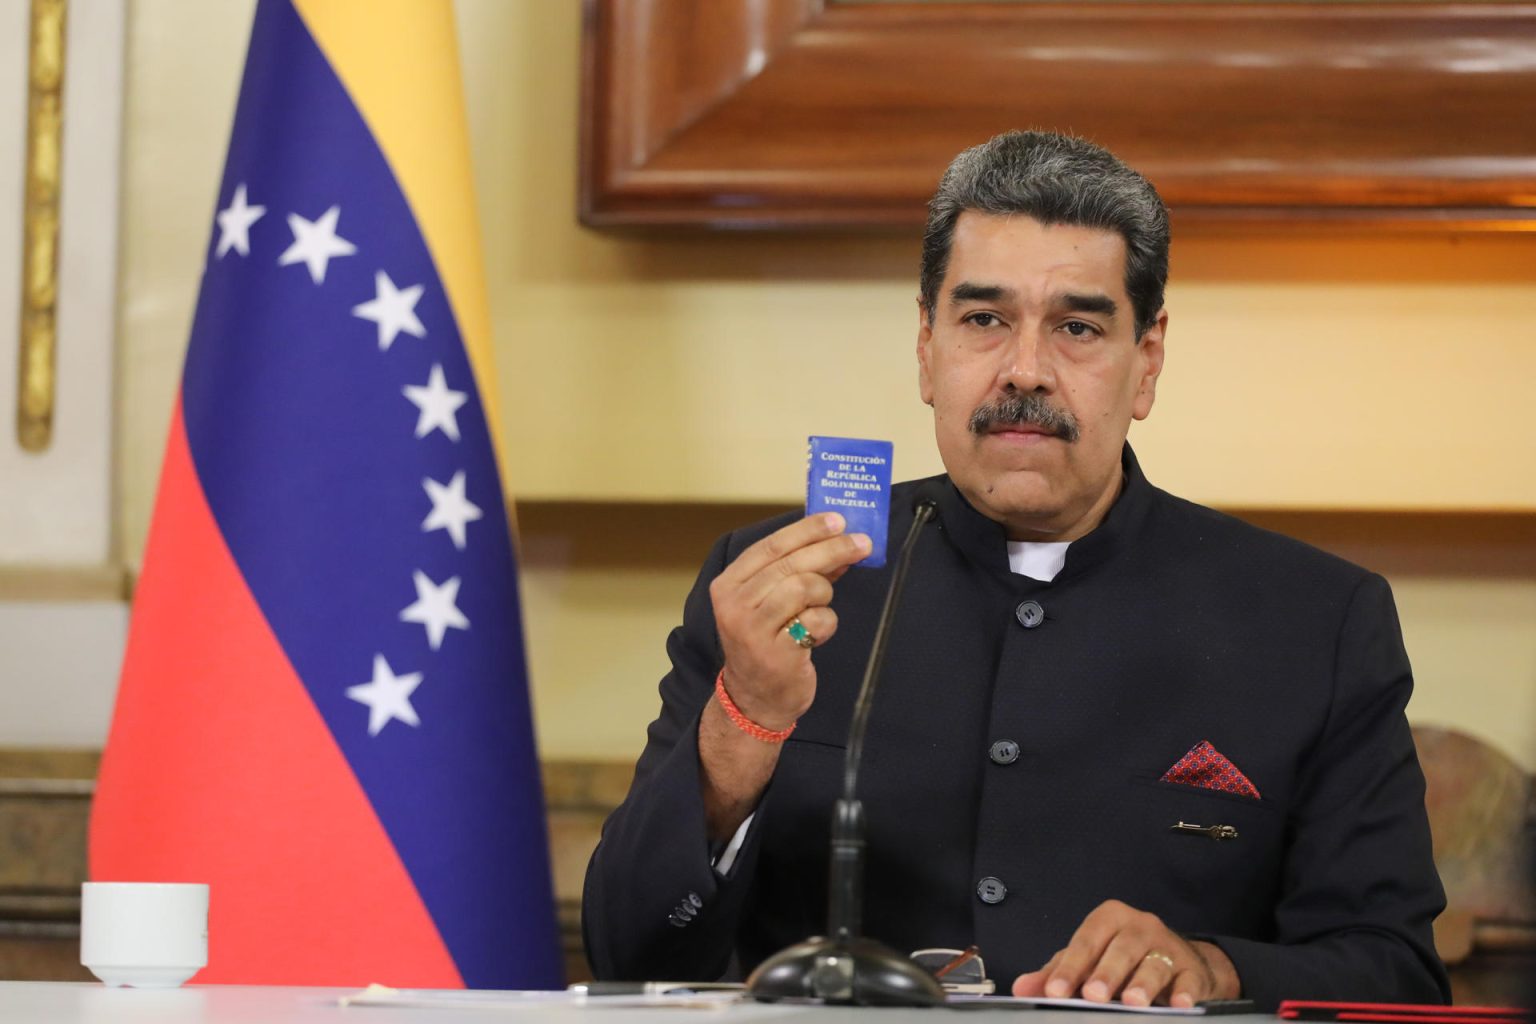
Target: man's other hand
x=1121 y=952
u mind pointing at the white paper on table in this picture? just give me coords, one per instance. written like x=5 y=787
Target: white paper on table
x=965 y=1002
x=483 y=999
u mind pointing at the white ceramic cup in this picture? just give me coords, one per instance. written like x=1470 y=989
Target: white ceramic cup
x=144 y=934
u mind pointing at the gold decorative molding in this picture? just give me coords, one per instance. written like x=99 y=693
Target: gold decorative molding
x=35 y=381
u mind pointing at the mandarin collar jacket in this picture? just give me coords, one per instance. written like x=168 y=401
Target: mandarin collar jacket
x=1017 y=764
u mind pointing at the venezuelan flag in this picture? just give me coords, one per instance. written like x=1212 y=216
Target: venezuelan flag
x=323 y=709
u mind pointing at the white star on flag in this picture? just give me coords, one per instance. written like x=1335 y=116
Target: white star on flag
x=315 y=242
x=435 y=607
x=393 y=309
x=451 y=510
x=235 y=222
x=438 y=404
x=387 y=695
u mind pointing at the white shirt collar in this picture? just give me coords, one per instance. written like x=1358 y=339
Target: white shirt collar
x=1037 y=560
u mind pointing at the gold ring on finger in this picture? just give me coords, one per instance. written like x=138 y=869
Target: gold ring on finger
x=799 y=634
x=1163 y=958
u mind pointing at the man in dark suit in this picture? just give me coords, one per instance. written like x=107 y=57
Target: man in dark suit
x=1131 y=747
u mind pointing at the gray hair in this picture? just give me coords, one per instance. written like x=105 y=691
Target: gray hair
x=1056 y=179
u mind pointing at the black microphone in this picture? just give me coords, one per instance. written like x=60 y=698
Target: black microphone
x=844 y=967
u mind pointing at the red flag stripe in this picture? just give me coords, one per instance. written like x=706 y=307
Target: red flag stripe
x=306 y=887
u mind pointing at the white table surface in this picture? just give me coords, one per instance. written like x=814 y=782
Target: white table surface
x=35 y=1002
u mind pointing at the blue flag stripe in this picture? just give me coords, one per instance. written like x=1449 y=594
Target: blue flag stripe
x=338 y=514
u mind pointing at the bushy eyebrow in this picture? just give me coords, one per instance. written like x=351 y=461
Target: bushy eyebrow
x=969 y=291
x=1071 y=302
x=1074 y=302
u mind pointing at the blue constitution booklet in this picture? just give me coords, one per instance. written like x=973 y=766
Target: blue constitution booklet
x=853 y=477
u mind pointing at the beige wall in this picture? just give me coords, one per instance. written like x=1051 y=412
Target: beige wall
x=1305 y=371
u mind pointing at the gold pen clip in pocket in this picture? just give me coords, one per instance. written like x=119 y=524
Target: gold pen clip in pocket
x=1216 y=832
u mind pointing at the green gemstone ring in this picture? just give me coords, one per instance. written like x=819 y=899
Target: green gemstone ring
x=799 y=634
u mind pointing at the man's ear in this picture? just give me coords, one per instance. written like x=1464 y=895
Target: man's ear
x=1150 y=357
x=924 y=353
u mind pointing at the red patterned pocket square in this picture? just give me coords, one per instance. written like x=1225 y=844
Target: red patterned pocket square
x=1208 y=768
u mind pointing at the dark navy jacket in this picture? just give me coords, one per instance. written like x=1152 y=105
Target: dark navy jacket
x=1168 y=625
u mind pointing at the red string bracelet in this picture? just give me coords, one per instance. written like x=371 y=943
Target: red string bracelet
x=744 y=723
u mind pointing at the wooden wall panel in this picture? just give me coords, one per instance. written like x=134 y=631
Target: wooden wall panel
x=808 y=113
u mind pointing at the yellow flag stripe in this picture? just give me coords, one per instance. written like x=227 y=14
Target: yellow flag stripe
x=399 y=61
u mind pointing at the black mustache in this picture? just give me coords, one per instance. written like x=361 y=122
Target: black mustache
x=1025 y=407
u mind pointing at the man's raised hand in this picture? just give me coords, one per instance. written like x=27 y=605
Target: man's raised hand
x=786 y=575
x=768 y=674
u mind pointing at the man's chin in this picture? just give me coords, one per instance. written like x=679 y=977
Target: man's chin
x=1021 y=499
x=1036 y=462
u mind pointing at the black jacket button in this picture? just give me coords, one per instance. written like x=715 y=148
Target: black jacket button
x=1004 y=752
x=1030 y=614
x=991 y=890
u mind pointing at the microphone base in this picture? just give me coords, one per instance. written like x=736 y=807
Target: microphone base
x=859 y=972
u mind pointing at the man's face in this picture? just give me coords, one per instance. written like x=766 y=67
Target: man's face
x=1033 y=369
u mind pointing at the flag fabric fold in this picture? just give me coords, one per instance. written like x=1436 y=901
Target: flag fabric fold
x=323 y=710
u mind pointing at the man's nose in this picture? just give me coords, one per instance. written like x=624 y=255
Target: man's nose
x=1027 y=363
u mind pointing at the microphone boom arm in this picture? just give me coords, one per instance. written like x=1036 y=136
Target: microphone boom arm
x=845 y=968
x=845 y=909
